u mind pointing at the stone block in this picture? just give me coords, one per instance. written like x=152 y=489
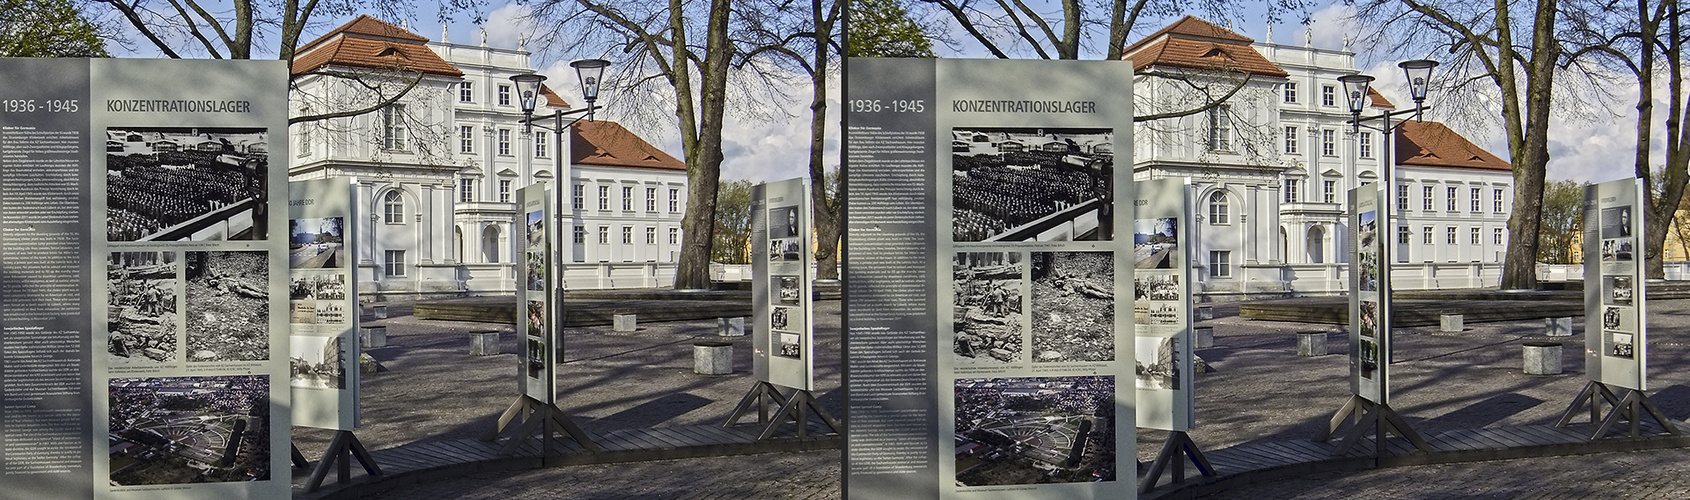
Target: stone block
x=1205 y=313
x=713 y=358
x=1542 y=358
x=1204 y=336
x=624 y=322
x=730 y=327
x=379 y=311
x=367 y=365
x=484 y=343
x=1449 y=322
x=1558 y=327
x=372 y=337
x=1310 y=344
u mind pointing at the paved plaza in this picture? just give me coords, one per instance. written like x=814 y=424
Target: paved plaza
x=1260 y=390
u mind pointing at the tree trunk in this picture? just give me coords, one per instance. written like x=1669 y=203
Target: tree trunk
x=822 y=208
x=704 y=150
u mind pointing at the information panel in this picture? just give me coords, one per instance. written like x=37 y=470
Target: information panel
x=143 y=280
x=1162 y=333
x=1370 y=305
x=782 y=346
x=986 y=353
x=323 y=303
x=536 y=314
x=1615 y=330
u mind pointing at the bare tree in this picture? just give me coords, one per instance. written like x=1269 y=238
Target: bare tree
x=1006 y=28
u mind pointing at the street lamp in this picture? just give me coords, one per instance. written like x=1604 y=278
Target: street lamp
x=590 y=72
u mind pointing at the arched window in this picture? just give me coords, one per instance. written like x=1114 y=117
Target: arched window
x=393 y=205
x=1218 y=208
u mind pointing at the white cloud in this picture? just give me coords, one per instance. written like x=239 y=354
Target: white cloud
x=1331 y=27
x=507 y=26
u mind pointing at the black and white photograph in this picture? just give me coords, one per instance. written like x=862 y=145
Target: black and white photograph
x=316 y=243
x=1032 y=184
x=1155 y=243
x=790 y=346
x=1616 y=222
x=1617 y=250
x=1073 y=306
x=182 y=430
x=331 y=313
x=1157 y=363
x=317 y=362
x=536 y=358
x=186 y=184
x=141 y=311
x=785 y=319
x=536 y=318
x=785 y=222
x=1368 y=257
x=1618 y=288
x=1156 y=287
x=988 y=311
x=228 y=293
x=785 y=250
x=1620 y=345
x=536 y=251
x=1369 y=354
x=1035 y=430
x=1155 y=313
x=317 y=285
x=786 y=290
x=1369 y=318
x=1618 y=318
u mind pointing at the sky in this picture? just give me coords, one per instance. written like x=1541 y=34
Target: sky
x=1587 y=147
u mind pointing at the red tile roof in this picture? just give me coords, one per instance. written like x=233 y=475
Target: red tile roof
x=1431 y=144
x=1378 y=100
x=367 y=42
x=608 y=144
x=552 y=99
x=1197 y=44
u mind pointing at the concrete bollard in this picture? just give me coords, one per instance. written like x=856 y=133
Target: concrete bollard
x=1205 y=336
x=372 y=337
x=713 y=358
x=624 y=322
x=367 y=365
x=1449 y=322
x=1542 y=358
x=730 y=327
x=1558 y=327
x=379 y=311
x=484 y=343
x=1205 y=313
x=1310 y=344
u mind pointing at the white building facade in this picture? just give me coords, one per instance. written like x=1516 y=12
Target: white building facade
x=1273 y=166
x=438 y=170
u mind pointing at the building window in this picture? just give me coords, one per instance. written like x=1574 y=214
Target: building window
x=504 y=95
x=1290 y=190
x=540 y=145
x=651 y=199
x=504 y=142
x=1496 y=201
x=466 y=92
x=1218 y=208
x=1328 y=143
x=1291 y=92
x=580 y=235
x=466 y=190
x=580 y=196
x=1329 y=192
x=604 y=235
x=393 y=126
x=1449 y=199
x=1475 y=198
x=1475 y=236
x=674 y=200
x=604 y=197
x=1220 y=128
x=393 y=206
x=1496 y=236
x=1220 y=263
x=1291 y=140
x=304 y=139
x=466 y=139
x=1426 y=204
x=1402 y=198
x=1365 y=144
x=674 y=236
x=504 y=191
x=651 y=236
x=1426 y=235
x=627 y=235
x=1328 y=95
x=1403 y=234
x=1449 y=235
x=627 y=198
x=395 y=263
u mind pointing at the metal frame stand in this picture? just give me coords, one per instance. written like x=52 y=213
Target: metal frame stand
x=1178 y=443
x=299 y=461
x=343 y=449
x=1631 y=407
x=1370 y=415
x=796 y=407
x=537 y=416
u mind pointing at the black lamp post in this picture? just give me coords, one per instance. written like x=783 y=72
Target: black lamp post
x=590 y=72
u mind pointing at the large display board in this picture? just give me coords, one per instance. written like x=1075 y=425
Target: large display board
x=783 y=345
x=143 y=298
x=536 y=309
x=1162 y=333
x=323 y=303
x=1370 y=304
x=988 y=339
x=1615 y=326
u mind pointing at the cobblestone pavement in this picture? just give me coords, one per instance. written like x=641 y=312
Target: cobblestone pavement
x=798 y=475
x=1659 y=474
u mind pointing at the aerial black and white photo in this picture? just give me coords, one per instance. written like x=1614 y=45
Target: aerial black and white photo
x=141 y=312
x=1032 y=184
x=182 y=430
x=186 y=184
x=228 y=293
